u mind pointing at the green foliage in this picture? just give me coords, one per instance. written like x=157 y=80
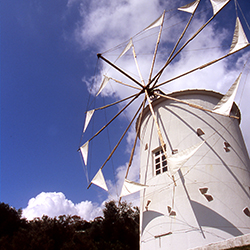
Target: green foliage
x=118 y=229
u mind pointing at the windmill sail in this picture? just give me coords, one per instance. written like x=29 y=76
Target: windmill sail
x=84 y=151
x=104 y=83
x=130 y=187
x=99 y=180
x=239 y=38
x=224 y=106
x=218 y=5
x=190 y=8
x=128 y=47
x=156 y=23
x=89 y=115
x=176 y=161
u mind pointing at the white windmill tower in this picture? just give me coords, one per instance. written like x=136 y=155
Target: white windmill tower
x=199 y=193
x=194 y=166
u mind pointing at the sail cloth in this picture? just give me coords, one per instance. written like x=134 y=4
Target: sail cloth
x=224 y=106
x=176 y=161
x=84 y=151
x=104 y=83
x=239 y=38
x=89 y=115
x=156 y=23
x=190 y=8
x=218 y=5
x=130 y=187
x=99 y=180
x=127 y=48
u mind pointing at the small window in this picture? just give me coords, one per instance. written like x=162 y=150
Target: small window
x=170 y=211
x=200 y=132
x=203 y=191
x=160 y=162
x=227 y=146
x=246 y=211
x=208 y=197
x=174 y=151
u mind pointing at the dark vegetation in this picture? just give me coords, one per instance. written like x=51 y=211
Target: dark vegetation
x=118 y=229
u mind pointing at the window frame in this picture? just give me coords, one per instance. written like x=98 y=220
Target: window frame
x=160 y=165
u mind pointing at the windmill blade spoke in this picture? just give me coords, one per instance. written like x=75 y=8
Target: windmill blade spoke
x=156 y=123
x=125 y=84
x=177 y=43
x=191 y=104
x=156 y=77
x=158 y=131
x=124 y=133
x=137 y=65
x=120 y=70
x=135 y=141
x=137 y=132
x=200 y=67
x=97 y=133
x=156 y=48
x=114 y=103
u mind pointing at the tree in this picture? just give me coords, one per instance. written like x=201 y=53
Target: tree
x=10 y=220
x=118 y=229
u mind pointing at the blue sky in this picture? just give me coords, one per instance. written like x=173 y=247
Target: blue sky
x=48 y=54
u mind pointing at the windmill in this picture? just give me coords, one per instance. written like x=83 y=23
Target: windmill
x=194 y=170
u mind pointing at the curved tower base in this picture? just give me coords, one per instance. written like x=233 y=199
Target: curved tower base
x=205 y=200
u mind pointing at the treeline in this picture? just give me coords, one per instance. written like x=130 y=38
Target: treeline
x=118 y=229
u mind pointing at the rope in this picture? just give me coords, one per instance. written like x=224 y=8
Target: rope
x=89 y=105
x=112 y=162
x=243 y=16
x=244 y=85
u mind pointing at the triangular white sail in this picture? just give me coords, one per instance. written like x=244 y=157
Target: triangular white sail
x=84 y=151
x=130 y=187
x=239 y=38
x=190 y=8
x=99 y=180
x=224 y=106
x=129 y=45
x=104 y=83
x=218 y=5
x=176 y=161
x=89 y=114
x=156 y=23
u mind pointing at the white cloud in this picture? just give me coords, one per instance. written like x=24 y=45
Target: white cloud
x=54 y=204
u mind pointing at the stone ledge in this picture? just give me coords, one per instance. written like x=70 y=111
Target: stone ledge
x=240 y=241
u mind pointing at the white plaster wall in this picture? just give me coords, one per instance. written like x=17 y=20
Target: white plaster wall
x=225 y=174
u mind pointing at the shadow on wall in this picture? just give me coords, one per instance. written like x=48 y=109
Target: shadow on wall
x=205 y=216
